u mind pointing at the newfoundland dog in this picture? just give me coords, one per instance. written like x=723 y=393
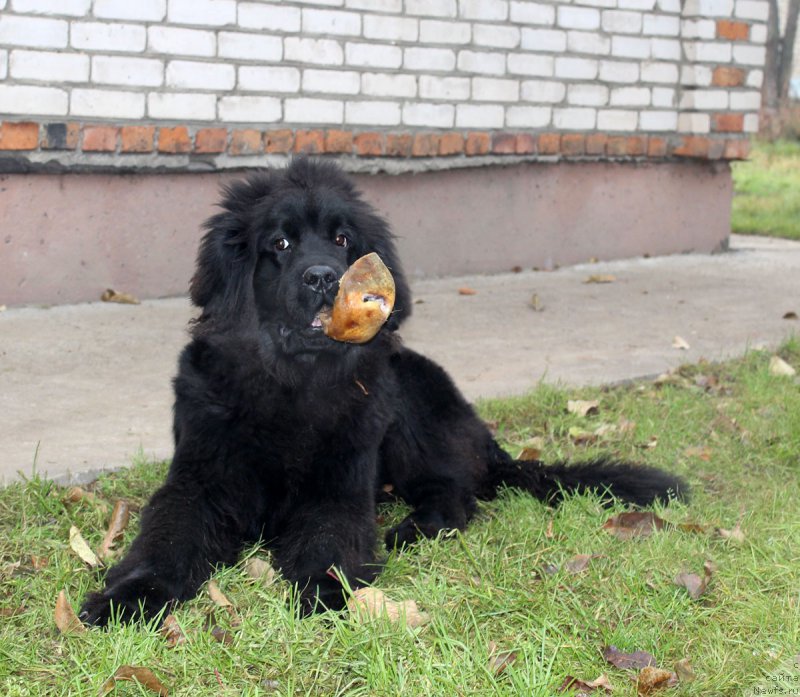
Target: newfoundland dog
x=286 y=436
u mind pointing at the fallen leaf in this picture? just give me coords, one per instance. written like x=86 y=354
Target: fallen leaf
x=778 y=366
x=580 y=436
x=601 y=278
x=499 y=660
x=701 y=452
x=680 y=343
x=172 y=632
x=636 y=660
x=790 y=315
x=259 y=570
x=604 y=430
x=535 y=303
x=735 y=534
x=369 y=603
x=580 y=562
x=516 y=269
x=548 y=533
x=39 y=563
x=582 y=407
x=112 y=296
x=626 y=526
x=144 y=676
x=584 y=687
x=530 y=454
x=693 y=584
x=77 y=494
x=66 y=619
x=649 y=444
x=220 y=635
x=652 y=678
x=467 y=291
x=12 y=611
x=217 y=595
x=81 y=547
x=221 y=601
x=684 y=670
x=119 y=521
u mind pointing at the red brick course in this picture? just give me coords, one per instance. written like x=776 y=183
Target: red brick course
x=19 y=135
x=210 y=140
x=136 y=139
x=174 y=140
x=145 y=139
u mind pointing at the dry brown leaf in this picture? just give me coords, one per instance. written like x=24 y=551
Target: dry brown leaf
x=735 y=534
x=259 y=570
x=119 y=521
x=39 y=563
x=77 y=494
x=499 y=660
x=217 y=595
x=699 y=451
x=530 y=454
x=172 y=632
x=12 y=611
x=66 y=619
x=649 y=444
x=81 y=547
x=632 y=524
x=692 y=527
x=548 y=533
x=465 y=290
x=221 y=601
x=680 y=343
x=112 y=296
x=369 y=603
x=790 y=315
x=604 y=430
x=220 y=635
x=580 y=436
x=601 y=278
x=585 y=687
x=684 y=670
x=693 y=584
x=778 y=366
x=652 y=678
x=582 y=407
x=580 y=562
x=636 y=660
x=144 y=676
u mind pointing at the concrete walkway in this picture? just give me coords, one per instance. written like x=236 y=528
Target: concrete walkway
x=87 y=387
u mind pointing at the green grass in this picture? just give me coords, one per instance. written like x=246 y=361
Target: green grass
x=767 y=191
x=738 y=443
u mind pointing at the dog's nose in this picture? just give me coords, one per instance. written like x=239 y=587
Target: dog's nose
x=320 y=278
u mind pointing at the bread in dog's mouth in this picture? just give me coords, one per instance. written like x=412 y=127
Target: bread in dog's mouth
x=362 y=305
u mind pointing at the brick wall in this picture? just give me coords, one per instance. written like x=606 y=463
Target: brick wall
x=220 y=83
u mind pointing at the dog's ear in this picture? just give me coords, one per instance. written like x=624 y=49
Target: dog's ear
x=222 y=283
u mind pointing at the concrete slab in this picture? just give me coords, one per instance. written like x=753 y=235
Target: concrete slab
x=87 y=387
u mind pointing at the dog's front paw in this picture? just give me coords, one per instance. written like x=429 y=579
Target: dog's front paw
x=124 y=601
x=321 y=594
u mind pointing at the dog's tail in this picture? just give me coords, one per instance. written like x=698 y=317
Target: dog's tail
x=631 y=483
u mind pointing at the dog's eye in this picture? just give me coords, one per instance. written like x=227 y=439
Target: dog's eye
x=282 y=244
x=341 y=240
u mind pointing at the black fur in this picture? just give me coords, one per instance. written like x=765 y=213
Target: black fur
x=286 y=436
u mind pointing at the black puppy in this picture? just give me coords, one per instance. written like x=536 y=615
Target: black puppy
x=284 y=435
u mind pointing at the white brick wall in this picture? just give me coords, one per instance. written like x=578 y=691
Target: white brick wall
x=616 y=65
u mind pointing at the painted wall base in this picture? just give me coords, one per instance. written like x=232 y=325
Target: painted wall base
x=67 y=237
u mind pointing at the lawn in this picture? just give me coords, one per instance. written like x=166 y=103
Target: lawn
x=767 y=191
x=511 y=587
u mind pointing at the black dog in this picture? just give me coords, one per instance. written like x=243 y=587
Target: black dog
x=284 y=435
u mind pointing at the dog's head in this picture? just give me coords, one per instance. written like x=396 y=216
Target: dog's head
x=275 y=253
